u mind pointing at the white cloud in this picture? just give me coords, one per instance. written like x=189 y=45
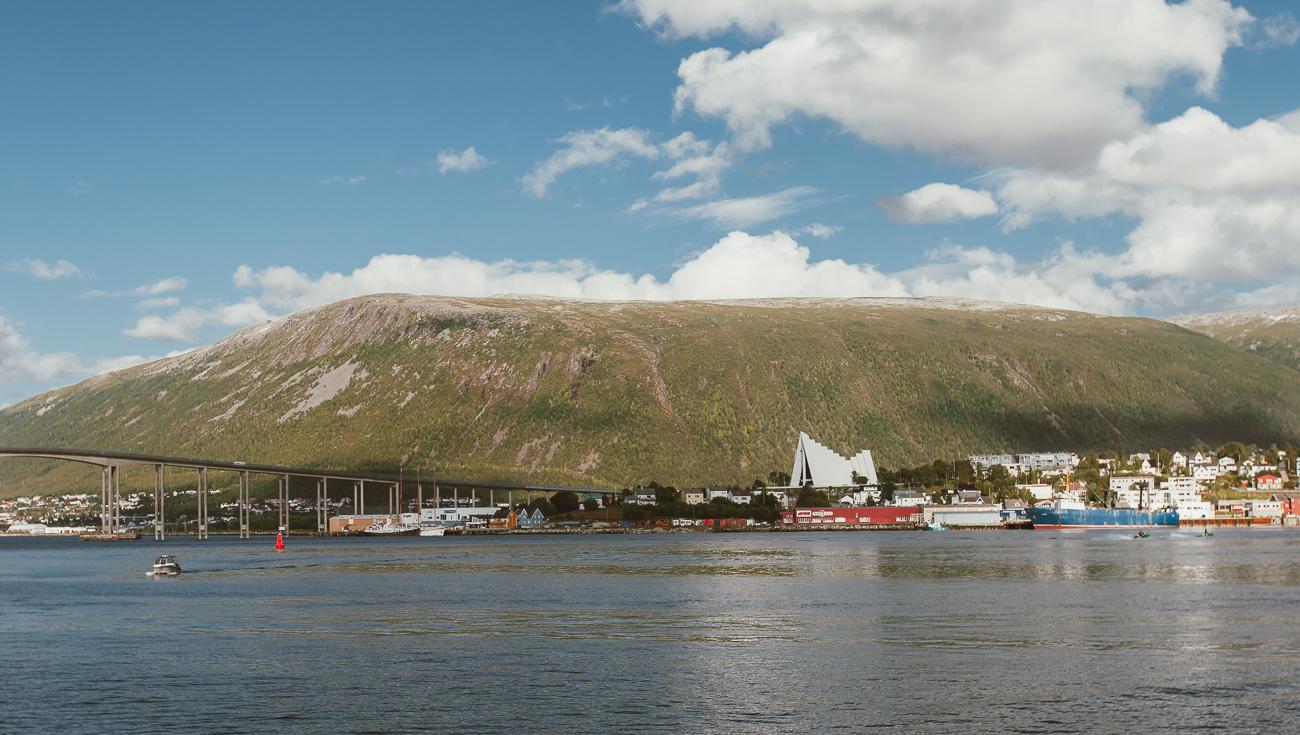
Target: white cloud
x=461 y=161
x=186 y=325
x=349 y=180
x=739 y=265
x=585 y=148
x=161 y=302
x=37 y=268
x=1004 y=81
x=748 y=211
x=819 y=231
x=22 y=365
x=1213 y=202
x=939 y=202
x=171 y=284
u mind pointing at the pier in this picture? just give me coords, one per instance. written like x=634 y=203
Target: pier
x=111 y=464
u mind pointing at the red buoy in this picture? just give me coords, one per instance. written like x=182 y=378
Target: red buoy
x=279 y=541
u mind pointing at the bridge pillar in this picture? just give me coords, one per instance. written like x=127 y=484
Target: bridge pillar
x=243 y=505
x=361 y=505
x=115 y=500
x=103 y=501
x=322 y=510
x=203 y=503
x=356 y=498
x=159 y=506
x=284 y=503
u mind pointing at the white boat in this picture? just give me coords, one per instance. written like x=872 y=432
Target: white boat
x=392 y=529
x=433 y=530
x=165 y=566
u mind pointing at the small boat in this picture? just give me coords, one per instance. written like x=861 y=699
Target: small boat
x=1142 y=534
x=936 y=527
x=165 y=566
x=1207 y=532
x=392 y=529
x=433 y=530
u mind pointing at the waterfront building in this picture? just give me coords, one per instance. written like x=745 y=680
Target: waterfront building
x=1290 y=502
x=982 y=514
x=819 y=466
x=1263 y=509
x=1016 y=464
x=877 y=516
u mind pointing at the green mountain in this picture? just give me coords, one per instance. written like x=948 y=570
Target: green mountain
x=1271 y=333
x=611 y=394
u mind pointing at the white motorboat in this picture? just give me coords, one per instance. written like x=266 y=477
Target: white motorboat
x=433 y=530
x=165 y=566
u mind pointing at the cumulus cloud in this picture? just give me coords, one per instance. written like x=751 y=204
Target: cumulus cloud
x=37 y=268
x=1213 y=202
x=740 y=265
x=1005 y=81
x=461 y=161
x=939 y=202
x=585 y=148
x=186 y=325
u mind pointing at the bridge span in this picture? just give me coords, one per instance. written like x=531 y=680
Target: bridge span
x=112 y=462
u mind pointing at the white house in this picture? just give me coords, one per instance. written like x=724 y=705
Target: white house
x=1226 y=465
x=1040 y=490
x=823 y=467
x=910 y=498
x=1178 y=459
x=1205 y=472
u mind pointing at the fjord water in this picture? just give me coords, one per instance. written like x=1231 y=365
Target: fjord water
x=805 y=632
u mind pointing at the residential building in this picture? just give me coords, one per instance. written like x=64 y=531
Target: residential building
x=910 y=498
x=1040 y=490
x=694 y=496
x=1268 y=481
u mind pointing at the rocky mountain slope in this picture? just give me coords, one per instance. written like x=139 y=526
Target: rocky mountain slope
x=610 y=394
x=1271 y=333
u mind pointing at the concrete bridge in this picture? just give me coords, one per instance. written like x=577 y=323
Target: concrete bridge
x=111 y=464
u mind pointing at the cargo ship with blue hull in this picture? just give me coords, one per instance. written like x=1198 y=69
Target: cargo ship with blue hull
x=1071 y=513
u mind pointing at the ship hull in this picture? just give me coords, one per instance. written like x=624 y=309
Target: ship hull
x=1050 y=518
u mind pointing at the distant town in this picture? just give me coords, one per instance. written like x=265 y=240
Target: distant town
x=1233 y=484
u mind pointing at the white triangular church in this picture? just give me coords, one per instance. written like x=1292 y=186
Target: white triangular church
x=823 y=467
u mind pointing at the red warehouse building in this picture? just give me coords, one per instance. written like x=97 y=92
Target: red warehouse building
x=877 y=516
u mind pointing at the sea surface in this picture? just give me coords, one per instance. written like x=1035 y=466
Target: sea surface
x=904 y=632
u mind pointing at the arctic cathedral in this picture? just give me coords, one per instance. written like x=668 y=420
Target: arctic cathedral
x=821 y=466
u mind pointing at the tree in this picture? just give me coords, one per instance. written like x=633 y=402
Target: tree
x=591 y=504
x=547 y=507
x=565 y=501
x=778 y=479
x=666 y=495
x=810 y=498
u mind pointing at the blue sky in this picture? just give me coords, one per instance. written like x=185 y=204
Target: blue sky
x=150 y=151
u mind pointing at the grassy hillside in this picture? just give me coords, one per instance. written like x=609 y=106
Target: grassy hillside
x=609 y=394
x=1271 y=333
